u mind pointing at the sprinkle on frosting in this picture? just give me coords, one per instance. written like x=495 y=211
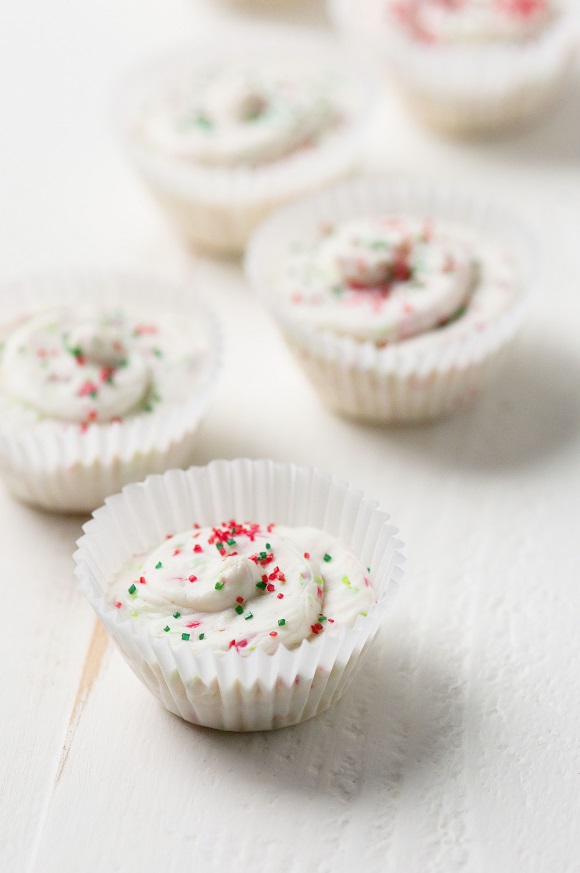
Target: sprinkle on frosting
x=231 y=602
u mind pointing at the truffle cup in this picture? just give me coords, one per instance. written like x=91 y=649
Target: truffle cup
x=216 y=209
x=473 y=90
x=228 y=690
x=62 y=467
x=407 y=381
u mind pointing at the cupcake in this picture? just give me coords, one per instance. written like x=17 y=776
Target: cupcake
x=397 y=299
x=468 y=66
x=243 y=594
x=223 y=134
x=103 y=379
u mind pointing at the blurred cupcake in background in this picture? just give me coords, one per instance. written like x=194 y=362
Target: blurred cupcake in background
x=397 y=299
x=468 y=66
x=103 y=379
x=224 y=133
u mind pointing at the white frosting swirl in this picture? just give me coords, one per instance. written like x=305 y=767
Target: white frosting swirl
x=238 y=115
x=241 y=586
x=469 y=21
x=83 y=364
x=381 y=278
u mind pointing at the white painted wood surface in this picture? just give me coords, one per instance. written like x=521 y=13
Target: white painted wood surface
x=459 y=748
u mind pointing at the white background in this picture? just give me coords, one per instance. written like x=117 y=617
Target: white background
x=459 y=748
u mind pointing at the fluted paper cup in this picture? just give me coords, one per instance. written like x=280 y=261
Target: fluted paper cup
x=411 y=380
x=471 y=89
x=217 y=208
x=62 y=466
x=230 y=690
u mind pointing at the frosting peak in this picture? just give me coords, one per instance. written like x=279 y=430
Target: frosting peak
x=244 y=586
x=238 y=114
x=83 y=363
x=74 y=369
x=382 y=278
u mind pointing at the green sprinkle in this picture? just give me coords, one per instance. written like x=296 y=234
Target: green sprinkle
x=239 y=608
x=260 y=585
x=231 y=542
x=249 y=616
x=134 y=614
x=158 y=566
x=157 y=352
x=166 y=628
x=132 y=589
x=327 y=558
x=219 y=586
x=185 y=636
x=219 y=546
x=345 y=581
x=176 y=615
x=268 y=546
x=203 y=121
x=363 y=613
x=368 y=569
x=321 y=618
x=202 y=636
x=281 y=622
x=263 y=555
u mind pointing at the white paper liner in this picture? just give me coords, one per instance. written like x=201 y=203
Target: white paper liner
x=401 y=382
x=218 y=208
x=473 y=88
x=227 y=690
x=65 y=469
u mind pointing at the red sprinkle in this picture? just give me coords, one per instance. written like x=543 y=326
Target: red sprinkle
x=193 y=578
x=143 y=329
x=193 y=624
x=280 y=596
x=142 y=580
x=307 y=555
x=270 y=587
x=86 y=388
x=316 y=628
x=239 y=599
x=273 y=633
x=197 y=548
x=118 y=604
x=106 y=373
x=176 y=552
